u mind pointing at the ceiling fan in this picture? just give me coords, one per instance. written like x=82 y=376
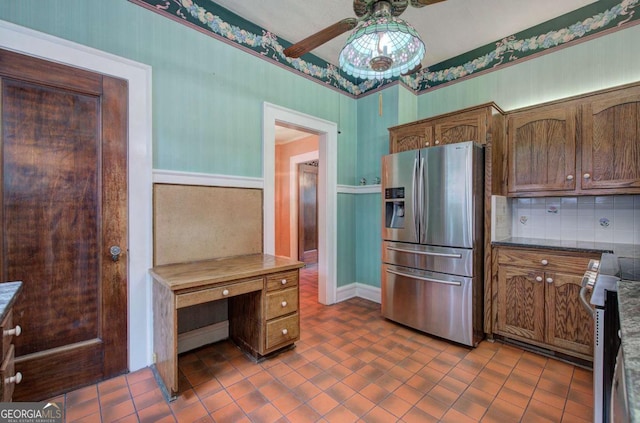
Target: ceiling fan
x=366 y=11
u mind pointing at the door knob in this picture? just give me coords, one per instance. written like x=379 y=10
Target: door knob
x=115 y=252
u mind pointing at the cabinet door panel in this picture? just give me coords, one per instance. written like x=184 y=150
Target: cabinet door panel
x=542 y=150
x=470 y=126
x=410 y=137
x=611 y=141
x=568 y=325
x=520 y=303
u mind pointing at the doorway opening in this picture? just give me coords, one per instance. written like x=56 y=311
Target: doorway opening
x=327 y=133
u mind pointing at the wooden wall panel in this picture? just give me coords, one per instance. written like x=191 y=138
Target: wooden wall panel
x=199 y=222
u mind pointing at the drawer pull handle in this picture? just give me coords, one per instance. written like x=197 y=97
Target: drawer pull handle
x=544 y=262
x=14 y=379
x=284 y=304
x=549 y=280
x=284 y=331
x=569 y=177
x=586 y=176
x=437 y=142
x=539 y=278
x=225 y=292
x=15 y=331
x=284 y=281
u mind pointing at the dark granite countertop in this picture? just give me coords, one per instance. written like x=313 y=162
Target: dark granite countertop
x=8 y=293
x=556 y=244
x=629 y=310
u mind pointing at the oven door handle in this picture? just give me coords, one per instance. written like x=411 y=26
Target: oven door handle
x=585 y=303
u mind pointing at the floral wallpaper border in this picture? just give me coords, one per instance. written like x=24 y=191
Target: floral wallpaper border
x=233 y=29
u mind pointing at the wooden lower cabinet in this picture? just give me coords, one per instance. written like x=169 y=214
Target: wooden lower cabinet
x=538 y=300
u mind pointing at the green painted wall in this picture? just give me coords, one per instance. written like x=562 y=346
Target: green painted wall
x=604 y=62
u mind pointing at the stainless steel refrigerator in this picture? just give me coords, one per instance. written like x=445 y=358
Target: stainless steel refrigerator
x=432 y=250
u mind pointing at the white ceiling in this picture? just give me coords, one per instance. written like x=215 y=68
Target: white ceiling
x=448 y=29
x=286 y=134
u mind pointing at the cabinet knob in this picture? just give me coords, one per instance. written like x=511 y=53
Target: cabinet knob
x=437 y=142
x=544 y=262
x=586 y=176
x=549 y=280
x=225 y=292
x=284 y=331
x=284 y=281
x=13 y=379
x=569 y=177
x=15 y=331
x=427 y=144
x=539 y=278
x=284 y=304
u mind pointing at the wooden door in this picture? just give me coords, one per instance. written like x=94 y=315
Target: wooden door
x=64 y=204
x=568 y=325
x=308 y=213
x=410 y=137
x=542 y=149
x=611 y=141
x=520 y=303
x=468 y=126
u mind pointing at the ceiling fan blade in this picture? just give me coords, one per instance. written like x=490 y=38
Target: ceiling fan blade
x=412 y=71
x=320 y=37
x=422 y=3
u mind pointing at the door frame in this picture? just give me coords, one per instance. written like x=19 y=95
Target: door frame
x=327 y=189
x=33 y=43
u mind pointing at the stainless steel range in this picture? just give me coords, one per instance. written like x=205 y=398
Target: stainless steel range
x=432 y=212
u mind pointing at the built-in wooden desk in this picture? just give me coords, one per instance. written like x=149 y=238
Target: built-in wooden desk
x=263 y=304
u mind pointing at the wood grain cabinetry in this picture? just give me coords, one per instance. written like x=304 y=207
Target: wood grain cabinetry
x=587 y=145
x=537 y=299
x=9 y=377
x=263 y=297
x=472 y=124
x=542 y=149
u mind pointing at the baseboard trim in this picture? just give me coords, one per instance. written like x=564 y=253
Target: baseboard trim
x=360 y=290
x=203 y=336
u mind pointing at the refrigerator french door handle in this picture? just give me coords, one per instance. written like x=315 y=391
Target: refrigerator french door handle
x=421 y=220
x=425 y=253
x=420 y=278
x=416 y=213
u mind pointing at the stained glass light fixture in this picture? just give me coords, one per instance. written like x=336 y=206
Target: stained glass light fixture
x=382 y=46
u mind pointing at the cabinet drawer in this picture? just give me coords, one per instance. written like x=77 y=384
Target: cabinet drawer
x=555 y=261
x=282 y=302
x=6 y=371
x=282 y=331
x=218 y=293
x=7 y=337
x=282 y=280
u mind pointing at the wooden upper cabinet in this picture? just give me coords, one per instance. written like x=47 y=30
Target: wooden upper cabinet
x=611 y=140
x=472 y=124
x=466 y=126
x=410 y=137
x=542 y=149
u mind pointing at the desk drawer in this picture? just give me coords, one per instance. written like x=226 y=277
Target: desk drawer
x=7 y=370
x=218 y=293
x=282 y=302
x=282 y=280
x=282 y=331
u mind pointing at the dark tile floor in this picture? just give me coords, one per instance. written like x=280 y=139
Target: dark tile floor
x=349 y=365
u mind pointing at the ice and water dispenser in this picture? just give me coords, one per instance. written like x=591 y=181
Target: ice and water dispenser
x=394 y=207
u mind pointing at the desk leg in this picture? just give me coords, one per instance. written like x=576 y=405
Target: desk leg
x=165 y=336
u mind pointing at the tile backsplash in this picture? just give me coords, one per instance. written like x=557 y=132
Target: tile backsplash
x=614 y=218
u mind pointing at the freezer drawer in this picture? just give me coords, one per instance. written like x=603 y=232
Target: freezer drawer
x=435 y=303
x=455 y=261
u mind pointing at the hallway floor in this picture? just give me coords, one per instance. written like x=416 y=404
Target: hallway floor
x=349 y=365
